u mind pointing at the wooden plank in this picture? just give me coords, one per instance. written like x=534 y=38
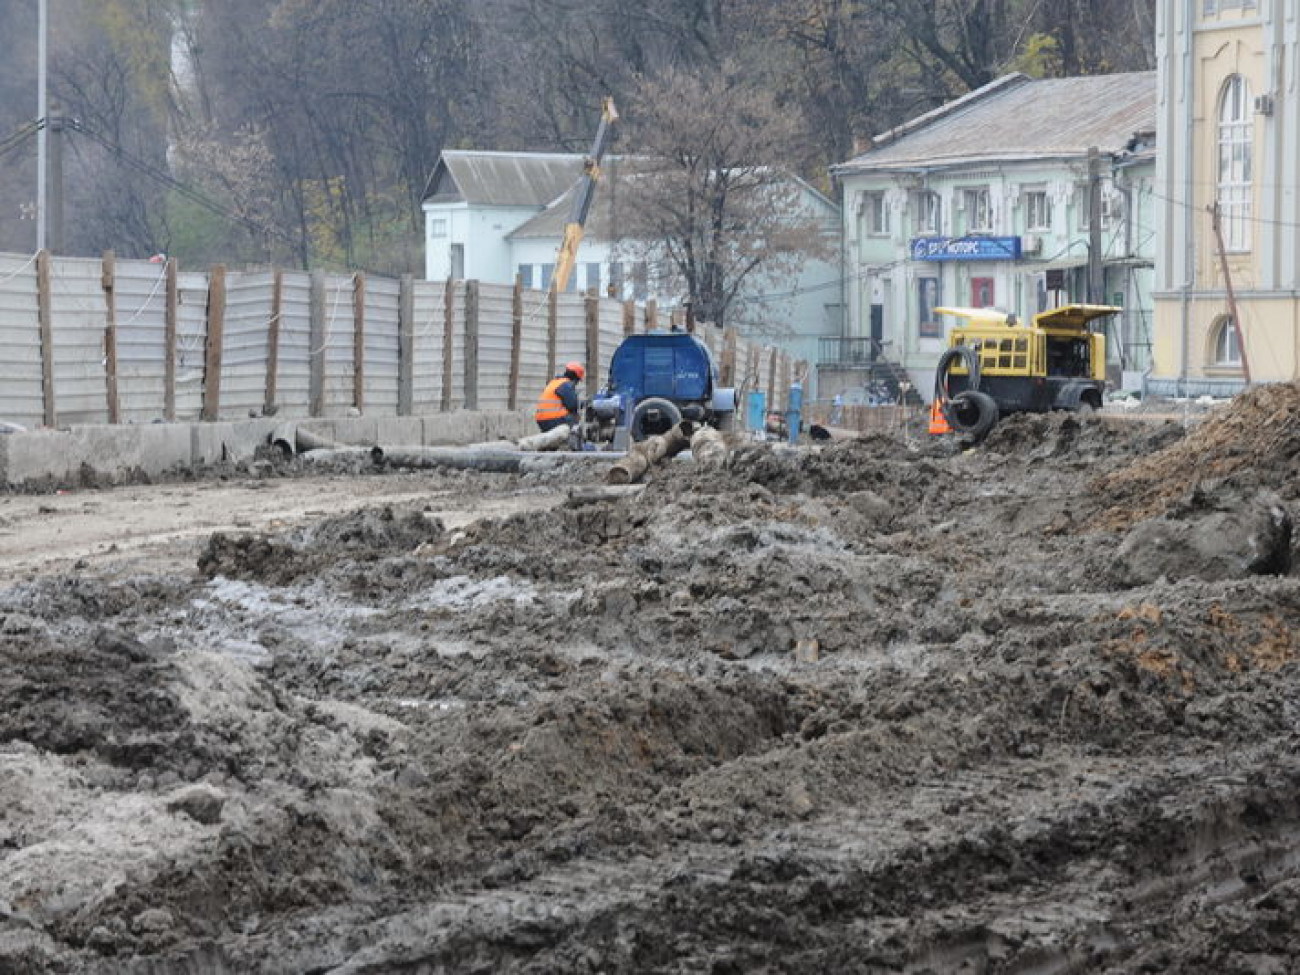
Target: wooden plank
x=213 y=344
x=316 y=349
x=359 y=340
x=269 y=406
x=406 y=346
x=108 y=283
x=651 y=315
x=448 y=312
x=629 y=317
x=171 y=315
x=552 y=330
x=728 y=366
x=47 y=336
x=591 y=308
x=471 y=345
x=516 y=341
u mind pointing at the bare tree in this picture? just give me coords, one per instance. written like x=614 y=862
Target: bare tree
x=710 y=191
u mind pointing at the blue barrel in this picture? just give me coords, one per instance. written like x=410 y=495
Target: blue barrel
x=754 y=410
x=794 y=411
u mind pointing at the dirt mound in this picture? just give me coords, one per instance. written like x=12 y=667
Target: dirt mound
x=365 y=535
x=1252 y=442
x=874 y=705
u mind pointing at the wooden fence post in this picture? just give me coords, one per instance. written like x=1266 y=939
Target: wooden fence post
x=213 y=347
x=46 y=325
x=471 y=345
x=629 y=317
x=516 y=340
x=592 y=310
x=359 y=340
x=771 y=378
x=171 y=314
x=108 y=282
x=728 y=367
x=552 y=332
x=316 y=346
x=651 y=315
x=273 y=344
x=406 y=346
x=448 y=313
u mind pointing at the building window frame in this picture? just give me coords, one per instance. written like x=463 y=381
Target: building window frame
x=1235 y=169
x=929 y=212
x=1038 y=211
x=1225 y=350
x=978 y=204
x=875 y=213
x=927 y=300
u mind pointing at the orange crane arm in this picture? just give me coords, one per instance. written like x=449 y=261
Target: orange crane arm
x=573 y=230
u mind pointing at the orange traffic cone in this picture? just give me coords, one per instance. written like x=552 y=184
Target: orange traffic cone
x=938 y=422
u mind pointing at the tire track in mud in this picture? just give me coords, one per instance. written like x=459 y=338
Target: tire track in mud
x=1076 y=882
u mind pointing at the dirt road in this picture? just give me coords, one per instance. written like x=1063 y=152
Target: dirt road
x=875 y=706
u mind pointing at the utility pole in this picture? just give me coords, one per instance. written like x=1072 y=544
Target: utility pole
x=1217 y=223
x=1095 y=283
x=42 y=118
x=54 y=194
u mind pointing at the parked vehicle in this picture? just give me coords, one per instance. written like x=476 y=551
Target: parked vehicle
x=995 y=365
x=656 y=380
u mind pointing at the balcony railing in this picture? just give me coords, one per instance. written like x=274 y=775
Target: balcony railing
x=841 y=351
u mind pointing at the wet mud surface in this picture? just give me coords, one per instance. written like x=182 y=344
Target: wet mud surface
x=875 y=706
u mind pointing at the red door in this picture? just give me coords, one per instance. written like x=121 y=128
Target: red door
x=981 y=292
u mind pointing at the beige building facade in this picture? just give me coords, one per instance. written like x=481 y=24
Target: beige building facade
x=1228 y=196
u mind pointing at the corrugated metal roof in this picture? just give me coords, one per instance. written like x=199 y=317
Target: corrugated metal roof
x=503 y=178
x=1017 y=118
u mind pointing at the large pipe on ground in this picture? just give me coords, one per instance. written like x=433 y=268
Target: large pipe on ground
x=645 y=454
x=553 y=439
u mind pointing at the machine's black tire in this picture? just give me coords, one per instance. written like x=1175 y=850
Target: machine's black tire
x=972 y=414
x=653 y=416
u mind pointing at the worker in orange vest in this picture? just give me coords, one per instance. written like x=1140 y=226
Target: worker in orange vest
x=559 y=400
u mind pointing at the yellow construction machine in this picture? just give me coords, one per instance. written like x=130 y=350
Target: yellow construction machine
x=582 y=198
x=996 y=365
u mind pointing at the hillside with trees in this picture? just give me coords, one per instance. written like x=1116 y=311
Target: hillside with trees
x=302 y=132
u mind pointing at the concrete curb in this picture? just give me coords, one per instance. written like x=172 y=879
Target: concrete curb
x=98 y=453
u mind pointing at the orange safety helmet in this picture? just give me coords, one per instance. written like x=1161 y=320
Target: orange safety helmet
x=577 y=369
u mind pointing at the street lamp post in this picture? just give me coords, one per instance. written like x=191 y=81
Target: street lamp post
x=42 y=121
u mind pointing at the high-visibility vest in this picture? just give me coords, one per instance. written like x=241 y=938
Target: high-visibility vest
x=549 y=404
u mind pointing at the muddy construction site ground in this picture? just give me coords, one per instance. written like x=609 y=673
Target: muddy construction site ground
x=877 y=705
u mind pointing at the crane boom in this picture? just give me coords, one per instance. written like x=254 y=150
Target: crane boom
x=582 y=198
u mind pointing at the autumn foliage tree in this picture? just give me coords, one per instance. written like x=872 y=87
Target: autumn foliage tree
x=711 y=191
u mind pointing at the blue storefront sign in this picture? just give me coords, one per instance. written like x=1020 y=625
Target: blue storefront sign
x=966 y=248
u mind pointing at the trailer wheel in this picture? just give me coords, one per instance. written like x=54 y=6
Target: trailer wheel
x=972 y=414
x=654 y=416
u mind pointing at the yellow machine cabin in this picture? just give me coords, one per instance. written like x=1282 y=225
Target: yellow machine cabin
x=995 y=365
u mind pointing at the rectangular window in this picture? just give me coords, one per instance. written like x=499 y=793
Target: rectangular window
x=640 y=281
x=458 y=262
x=593 y=278
x=547 y=271
x=1038 y=210
x=927 y=299
x=1085 y=210
x=437 y=228
x=979 y=213
x=927 y=213
x=616 y=279
x=525 y=273
x=876 y=214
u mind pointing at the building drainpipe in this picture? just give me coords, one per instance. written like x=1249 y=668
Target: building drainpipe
x=1189 y=188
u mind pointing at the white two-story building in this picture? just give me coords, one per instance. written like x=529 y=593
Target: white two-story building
x=987 y=202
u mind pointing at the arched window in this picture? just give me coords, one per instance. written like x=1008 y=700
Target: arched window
x=1236 y=136
x=1226 y=350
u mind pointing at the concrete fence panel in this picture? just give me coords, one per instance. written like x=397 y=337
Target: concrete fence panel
x=381 y=345
x=22 y=391
x=495 y=330
x=78 y=316
x=426 y=342
x=140 y=299
x=246 y=352
x=339 y=352
x=533 y=371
